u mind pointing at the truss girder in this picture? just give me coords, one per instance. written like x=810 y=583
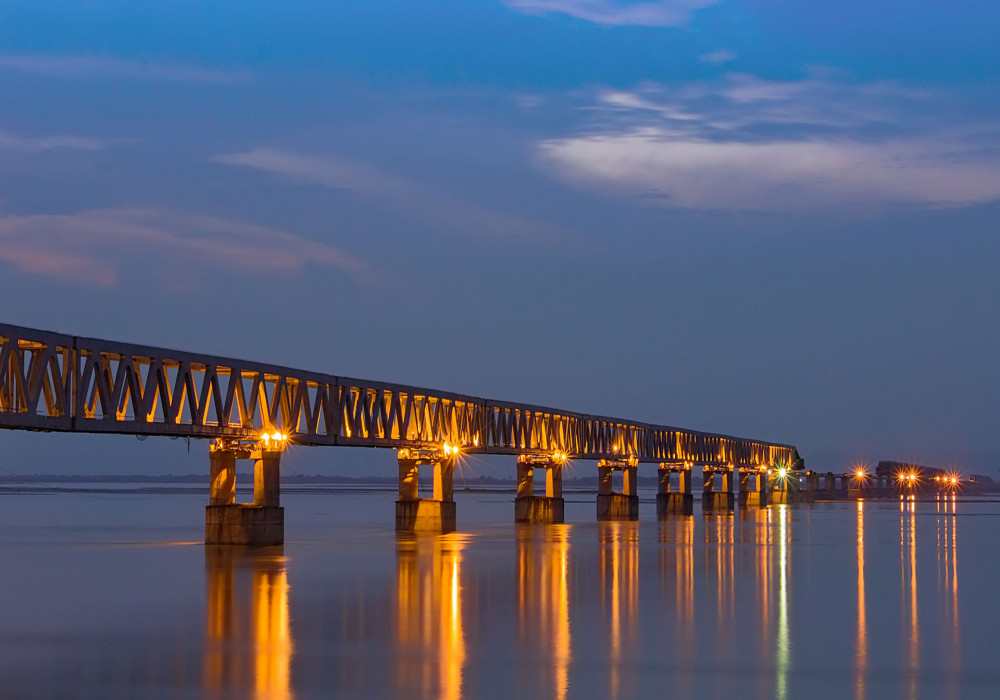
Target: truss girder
x=51 y=381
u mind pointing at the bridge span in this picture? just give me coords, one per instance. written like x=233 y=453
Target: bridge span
x=251 y=410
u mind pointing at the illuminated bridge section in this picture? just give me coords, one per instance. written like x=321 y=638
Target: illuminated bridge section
x=51 y=381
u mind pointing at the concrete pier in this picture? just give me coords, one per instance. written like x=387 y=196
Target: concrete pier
x=259 y=523
x=721 y=498
x=784 y=490
x=753 y=488
x=612 y=505
x=435 y=514
x=671 y=499
x=529 y=508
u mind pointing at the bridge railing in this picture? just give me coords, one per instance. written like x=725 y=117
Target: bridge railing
x=52 y=381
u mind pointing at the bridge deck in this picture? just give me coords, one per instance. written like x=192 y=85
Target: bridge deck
x=57 y=382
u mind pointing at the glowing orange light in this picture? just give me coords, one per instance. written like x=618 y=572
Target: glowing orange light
x=451 y=450
x=560 y=457
x=275 y=436
x=860 y=474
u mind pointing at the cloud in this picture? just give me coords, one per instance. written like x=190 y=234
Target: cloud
x=778 y=174
x=717 y=58
x=434 y=207
x=652 y=13
x=752 y=144
x=17 y=142
x=95 y=246
x=94 y=67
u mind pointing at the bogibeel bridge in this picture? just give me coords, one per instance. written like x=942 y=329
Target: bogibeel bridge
x=250 y=410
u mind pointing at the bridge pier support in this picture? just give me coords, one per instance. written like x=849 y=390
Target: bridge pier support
x=259 y=523
x=435 y=514
x=753 y=488
x=812 y=486
x=671 y=500
x=787 y=489
x=612 y=505
x=529 y=508
x=722 y=498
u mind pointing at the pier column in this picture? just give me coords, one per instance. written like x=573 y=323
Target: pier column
x=261 y=522
x=617 y=506
x=409 y=480
x=222 y=476
x=266 y=477
x=435 y=514
x=529 y=508
x=671 y=500
x=753 y=487
x=553 y=481
x=722 y=498
x=808 y=491
x=785 y=488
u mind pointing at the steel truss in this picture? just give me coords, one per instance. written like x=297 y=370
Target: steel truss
x=51 y=381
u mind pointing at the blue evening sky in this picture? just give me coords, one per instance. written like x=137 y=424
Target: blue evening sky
x=761 y=217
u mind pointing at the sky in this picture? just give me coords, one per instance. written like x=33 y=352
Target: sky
x=765 y=218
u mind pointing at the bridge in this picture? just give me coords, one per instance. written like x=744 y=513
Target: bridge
x=249 y=410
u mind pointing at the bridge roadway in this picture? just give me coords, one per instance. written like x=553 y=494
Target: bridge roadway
x=58 y=382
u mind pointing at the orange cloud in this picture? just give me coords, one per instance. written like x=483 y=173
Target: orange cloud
x=94 y=246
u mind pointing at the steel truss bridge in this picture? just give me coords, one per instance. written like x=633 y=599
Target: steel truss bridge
x=57 y=382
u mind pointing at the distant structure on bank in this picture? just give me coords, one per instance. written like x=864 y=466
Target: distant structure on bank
x=930 y=476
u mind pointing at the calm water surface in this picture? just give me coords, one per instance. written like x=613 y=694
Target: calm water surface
x=111 y=595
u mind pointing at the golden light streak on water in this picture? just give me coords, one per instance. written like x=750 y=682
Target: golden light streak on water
x=246 y=624
x=720 y=563
x=861 y=639
x=783 y=645
x=908 y=590
x=429 y=614
x=676 y=535
x=620 y=580
x=947 y=537
x=272 y=637
x=543 y=598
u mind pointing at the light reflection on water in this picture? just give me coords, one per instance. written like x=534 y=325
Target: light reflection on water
x=619 y=574
x=543 y=603
x=248 y=631
x=840 y=600
x=429 y=607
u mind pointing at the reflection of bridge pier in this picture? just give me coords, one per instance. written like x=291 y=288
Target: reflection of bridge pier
x=429 y=615
x=248 y=630
x=720 y=564
x=619 y=566
x=543 y=601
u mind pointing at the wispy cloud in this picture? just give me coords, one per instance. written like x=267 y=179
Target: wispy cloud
x=94 y=67
x=749 y=143
x=432 y=206
x=652 y=13
x=717 y=58
x=95 y=246
x=20 y=142
x=777 y=174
